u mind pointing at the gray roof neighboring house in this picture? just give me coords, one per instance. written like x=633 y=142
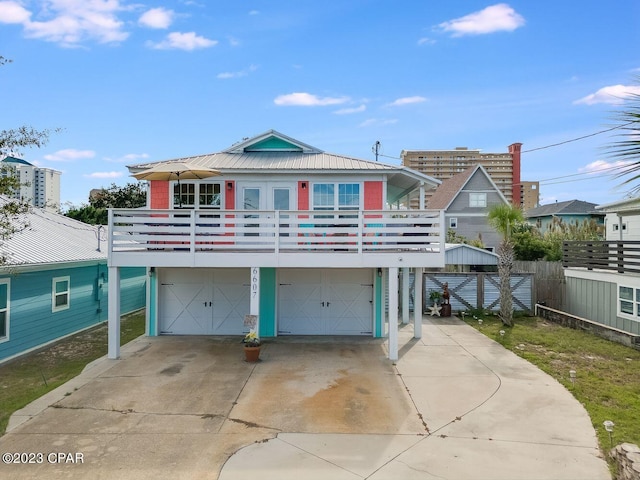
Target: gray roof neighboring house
x=570 y=207
x=46 y=238
x=450 y=188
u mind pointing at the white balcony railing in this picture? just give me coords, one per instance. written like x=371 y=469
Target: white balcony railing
x=272 y=233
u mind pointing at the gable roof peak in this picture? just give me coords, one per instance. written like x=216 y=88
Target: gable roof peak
x=271 y=141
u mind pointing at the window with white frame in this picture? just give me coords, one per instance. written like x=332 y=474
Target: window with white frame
x=336 y=196
x=192 y=195
x=453 y=222
x=477 y=200
x=629 y=301
x=4 y=309
x=60 y=293
x=616 y=227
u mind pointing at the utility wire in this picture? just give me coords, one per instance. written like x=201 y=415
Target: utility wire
x=579 y=138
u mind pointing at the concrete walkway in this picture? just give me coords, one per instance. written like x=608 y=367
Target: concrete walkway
x=488 y=415
x=455 y=406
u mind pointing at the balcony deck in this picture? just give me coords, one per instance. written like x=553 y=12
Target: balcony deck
x=619 y=256
x=260 y=238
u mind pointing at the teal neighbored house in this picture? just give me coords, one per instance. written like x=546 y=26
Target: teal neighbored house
x=54 y=282
x=569 y=212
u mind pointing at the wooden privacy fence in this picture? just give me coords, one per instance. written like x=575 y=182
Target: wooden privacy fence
x=470 y=291
x=549 y=281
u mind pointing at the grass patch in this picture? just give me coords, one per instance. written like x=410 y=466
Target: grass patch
x=607 y=379
x=27 y=378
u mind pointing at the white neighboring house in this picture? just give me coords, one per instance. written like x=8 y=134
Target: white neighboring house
x=39 y=186
x=622 y=219
x=603 y=278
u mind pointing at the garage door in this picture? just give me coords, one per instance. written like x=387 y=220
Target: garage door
x=325 y=302
x=197 y=301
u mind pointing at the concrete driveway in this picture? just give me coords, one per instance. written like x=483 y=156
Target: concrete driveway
x=456 y=405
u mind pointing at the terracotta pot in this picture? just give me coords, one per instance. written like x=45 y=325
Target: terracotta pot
x=252 y=354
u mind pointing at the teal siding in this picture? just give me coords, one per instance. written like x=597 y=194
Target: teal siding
x=133 y=289
x=267 y=302
x=152 y=307
x=32 y=322
x=378 y=295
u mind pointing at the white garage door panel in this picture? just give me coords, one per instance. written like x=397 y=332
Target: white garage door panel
x=203 y=301
x=325 y=302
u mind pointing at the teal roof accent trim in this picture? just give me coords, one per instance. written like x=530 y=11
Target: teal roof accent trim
x=9 y=159
x=271 y=141
x=273 y=144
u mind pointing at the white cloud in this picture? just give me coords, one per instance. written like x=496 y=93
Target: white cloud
x=496 y=18
x=183 y=41
x=377 y=122
x=613 y=94
x=157 y=18
x=70 y=22
x=407 y=101
x=426 y=41
x=349 y=111
x=301 y=99
x=69 y=155
x=104 y=175
x=13 y=12
x=254 y=12
x=241 y=73
x=600 y=166
x=129 y=157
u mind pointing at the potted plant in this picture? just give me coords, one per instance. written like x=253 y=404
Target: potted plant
x=435 y=296
x=252 y=346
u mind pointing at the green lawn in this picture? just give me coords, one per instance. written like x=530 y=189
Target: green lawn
x=29 y=377
x=607 y=379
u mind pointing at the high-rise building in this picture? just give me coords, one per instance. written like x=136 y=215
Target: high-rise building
x=503 y=168
x=530 y=195
x=38 y=186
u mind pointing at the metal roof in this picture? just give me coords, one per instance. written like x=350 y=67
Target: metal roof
x=463 y=254
x=265 y=161
x=46 y=238
x=569 y=207
x=301 y=158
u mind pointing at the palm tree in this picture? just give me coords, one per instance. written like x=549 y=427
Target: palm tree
x=627 y=148
x=503 y=218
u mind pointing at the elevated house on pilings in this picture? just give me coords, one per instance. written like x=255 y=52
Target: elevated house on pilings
x=305 y=241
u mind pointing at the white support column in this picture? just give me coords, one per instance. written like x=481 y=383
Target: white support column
x=114 y=314
x=417 y=304
x=254 y=302
x=393 y=313
x=406 y=283
x=422 y=202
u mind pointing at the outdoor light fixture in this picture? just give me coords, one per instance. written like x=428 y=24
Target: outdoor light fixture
x=303 y=185
x=608 y=426
x=572 y=376
x=379 y=272
x=229 y=185
x=479 y=321
x=502 y=333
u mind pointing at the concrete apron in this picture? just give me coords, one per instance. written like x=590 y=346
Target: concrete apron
x=488 y=414
x=178 y=407
x=456 y=405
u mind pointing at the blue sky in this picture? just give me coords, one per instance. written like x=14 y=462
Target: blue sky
x=128 y=82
